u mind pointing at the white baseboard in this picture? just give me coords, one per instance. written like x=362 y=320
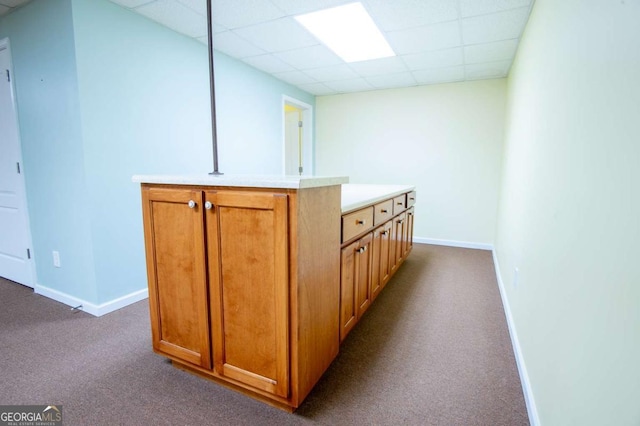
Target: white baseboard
x=92 y=308
x=529 y=400
x=453 y=243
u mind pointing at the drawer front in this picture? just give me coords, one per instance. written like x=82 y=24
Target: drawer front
x=399 y=204
x=382 y=212
x=356 y=223
x=411 y=198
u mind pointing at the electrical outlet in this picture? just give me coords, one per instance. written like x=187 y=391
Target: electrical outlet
x=56 y=259
x=516 y=275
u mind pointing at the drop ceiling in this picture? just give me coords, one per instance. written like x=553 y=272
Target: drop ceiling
x=435 y=41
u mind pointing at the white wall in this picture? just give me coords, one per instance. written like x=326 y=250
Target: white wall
x=569 y=213
x=445 y=139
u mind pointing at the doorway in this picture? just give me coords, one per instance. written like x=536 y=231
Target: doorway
x=298 y=141
x=16 y=254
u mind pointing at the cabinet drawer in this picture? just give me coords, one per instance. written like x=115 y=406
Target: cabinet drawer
x=399 y=204
x=411 y=198
x=382 y=212
x=356 y=223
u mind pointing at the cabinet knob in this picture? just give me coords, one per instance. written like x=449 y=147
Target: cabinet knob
x=412 y=199
x=383 y=233
x=208 y=205
x=384 y=211
x=191 y=204
x=400 y=203
x=400 y=221
x=362 y=249
x=360 y=222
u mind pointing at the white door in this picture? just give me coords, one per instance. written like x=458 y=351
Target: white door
x=15 y=251
x=298 y=147
x=293 y=140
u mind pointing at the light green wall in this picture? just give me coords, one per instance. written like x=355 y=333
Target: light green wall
x=569 y=212
x=445 y=139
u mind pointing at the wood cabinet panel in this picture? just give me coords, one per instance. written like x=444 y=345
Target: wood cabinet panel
x=348 y=305
x=248 y=271
x=399 y=204
x=363 y=258
x=380 y=259
x=411 y=199
x=176 y=269
x=407 y=241
x=397 y=234
x=382 y=212
x=356 y=223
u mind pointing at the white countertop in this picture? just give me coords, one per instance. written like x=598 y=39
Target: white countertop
x=355 y=196
x=256 y=181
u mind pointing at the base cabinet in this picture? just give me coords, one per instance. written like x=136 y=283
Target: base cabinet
x=355 y=286
x=369 y=262
x=238 y=292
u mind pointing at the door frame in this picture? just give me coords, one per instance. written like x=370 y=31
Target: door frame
x=307 y=131
x=5 y=45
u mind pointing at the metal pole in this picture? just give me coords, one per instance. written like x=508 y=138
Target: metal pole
x=214 y=127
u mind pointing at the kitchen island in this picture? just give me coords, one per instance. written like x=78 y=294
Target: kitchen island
x=244 y=276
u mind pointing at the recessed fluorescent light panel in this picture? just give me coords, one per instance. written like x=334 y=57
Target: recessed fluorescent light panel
x=349 y=31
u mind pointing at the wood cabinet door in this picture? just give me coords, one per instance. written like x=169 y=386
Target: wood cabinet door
x=407 y=240
x=247 y=238
x=348 y=308
x=176 y=269
x=363 y=260
x=380 y=259
x=397 y=235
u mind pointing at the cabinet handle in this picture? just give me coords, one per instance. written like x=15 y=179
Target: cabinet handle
x=400 y=203
x=383 y=233
x=400 y=221
x=360 y=222
x=362 y=249
x=412 y=199
x=208 y=205
x=191 y=204
x=384 y=211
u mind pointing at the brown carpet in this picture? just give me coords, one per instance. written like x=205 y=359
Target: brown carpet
x=433 y=349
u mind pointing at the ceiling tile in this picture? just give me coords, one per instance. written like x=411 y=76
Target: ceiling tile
x=241 y=13
x=277 y=36
x=318 y=89
x=235 y=46
x=349 y=86
x=434 y=59
x=175 y=16
x=268 y=63
x=404 y=14
x=295 y=77
x=439 y=75
x=310 y=57
x=332 y=73
x=490 y=52
x=389 y=81
x=494 y=27
x=131 y=3
x=379 y=66
x=295 y=7
x=487 y=70
x=430 y=37
x=482 y=7
x=198 y=6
